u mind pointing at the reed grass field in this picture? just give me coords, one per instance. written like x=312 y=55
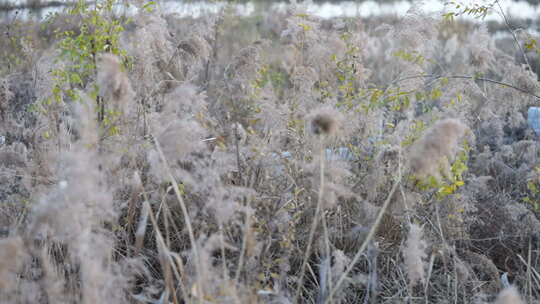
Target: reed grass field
x=152 y=156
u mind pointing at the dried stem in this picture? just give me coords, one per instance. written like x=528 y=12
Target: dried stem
x=513 y=35
x=186 y=217
x=244 y=246
x=466 y=77
x=367 y=240
x=315 y=221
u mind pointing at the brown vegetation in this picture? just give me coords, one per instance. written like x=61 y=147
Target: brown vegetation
x=191 y=168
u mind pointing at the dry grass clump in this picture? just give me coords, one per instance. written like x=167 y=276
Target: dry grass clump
x=194 y=54
x=5 y=97
x=12 y=258
x=13 y=156
x=436 y=148
x=74 y=214
x=481 y=54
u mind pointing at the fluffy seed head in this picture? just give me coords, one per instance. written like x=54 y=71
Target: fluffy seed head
x=113 y=82
x=414 y=255
x=325 y=121
x=436 y=147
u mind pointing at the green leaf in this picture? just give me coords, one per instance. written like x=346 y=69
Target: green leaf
x=149 y=6
x=75 y=78
x=436 y=93
x=532 y=187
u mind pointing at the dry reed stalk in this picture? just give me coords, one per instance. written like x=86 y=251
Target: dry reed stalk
x=186 y=218
x=367 y=240
x=315 y=220
x=141 y=228
x=244 y=246
x=165 y=258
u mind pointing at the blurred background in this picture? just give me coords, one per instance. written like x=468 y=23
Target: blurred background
x=524 y=12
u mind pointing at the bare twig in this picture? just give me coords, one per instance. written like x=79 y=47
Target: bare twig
x=513 y=35
x=536 y=275
x=238 y=162
x=465 y=77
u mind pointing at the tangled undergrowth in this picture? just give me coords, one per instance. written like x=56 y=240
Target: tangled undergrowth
x=157 y=159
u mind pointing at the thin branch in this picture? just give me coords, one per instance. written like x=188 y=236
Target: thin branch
x=238 y=162
x=466 y=77
x=513 y=34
